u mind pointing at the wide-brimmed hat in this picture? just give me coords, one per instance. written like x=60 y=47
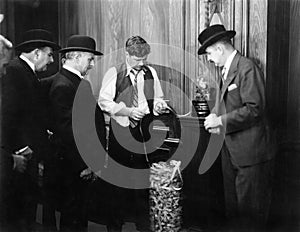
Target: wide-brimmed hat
x=37 y=38
x=81 y=43
x=211 y=35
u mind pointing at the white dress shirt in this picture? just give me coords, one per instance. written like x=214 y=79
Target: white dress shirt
x=31 y=65
x=227 y=64
x=108 y=92
x=73 y=70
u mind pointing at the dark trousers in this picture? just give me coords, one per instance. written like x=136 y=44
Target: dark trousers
x=131 y=155
x=128 y=201
x=74 y=203
x=6 y=173
x=22 y=202
x=51 y=190
x=247 y=193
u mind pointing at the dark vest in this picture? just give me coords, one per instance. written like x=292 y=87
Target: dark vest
x=124 y=89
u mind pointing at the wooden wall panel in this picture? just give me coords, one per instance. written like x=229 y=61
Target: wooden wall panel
x=7 y=27
x=277 y=64
x=283 y=57
x=68 y=20
x=192 y=19
x=237 y=23
x=257 y=42
x=114 y=31
x=175 y=53
x=172 y=28
x=293 y=97
x=90 y=23
x=161 y=23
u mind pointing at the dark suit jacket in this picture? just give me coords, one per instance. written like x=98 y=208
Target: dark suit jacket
x=6 y=159
x=66 y=88
x=22 y=122
x=243 y=95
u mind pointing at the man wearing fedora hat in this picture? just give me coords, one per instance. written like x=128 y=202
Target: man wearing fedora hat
x=239 y=112
x=66 y=86
x=22 y=126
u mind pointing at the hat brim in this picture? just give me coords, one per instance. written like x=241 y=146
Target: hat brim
x=38 y=43
x=70 y=49
x=215 y=38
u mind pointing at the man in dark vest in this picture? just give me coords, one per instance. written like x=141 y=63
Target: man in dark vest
x=131 y=94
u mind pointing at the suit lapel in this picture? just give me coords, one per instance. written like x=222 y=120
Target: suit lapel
x=231 y=75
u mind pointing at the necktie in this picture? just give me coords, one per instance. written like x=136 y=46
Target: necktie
x=135 y=103
x=222 y=77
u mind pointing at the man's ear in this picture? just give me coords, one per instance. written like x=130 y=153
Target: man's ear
x=77 y=55
x=36 y=53
x=220 y=47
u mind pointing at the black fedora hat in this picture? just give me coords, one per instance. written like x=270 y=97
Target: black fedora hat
x=81 y=43
x=37 y=38
x=211 y=35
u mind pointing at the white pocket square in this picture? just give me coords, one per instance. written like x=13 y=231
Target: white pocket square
x=232 y=87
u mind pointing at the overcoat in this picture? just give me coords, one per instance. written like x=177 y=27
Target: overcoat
x=62 y=95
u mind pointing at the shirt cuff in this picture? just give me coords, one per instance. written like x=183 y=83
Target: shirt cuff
x=220 y=121
x=117 y=107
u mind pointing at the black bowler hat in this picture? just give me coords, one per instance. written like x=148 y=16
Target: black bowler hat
x=81 y=43
x=37 y=38
x=211 y=35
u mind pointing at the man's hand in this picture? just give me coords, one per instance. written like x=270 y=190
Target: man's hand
x=136 y=114
x=212 y=121
x=88 y=174
x=215 y=130
x=161 y=107
x=20 y=163
x=25 y=152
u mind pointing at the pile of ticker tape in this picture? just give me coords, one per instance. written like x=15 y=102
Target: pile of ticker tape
x=165 y=196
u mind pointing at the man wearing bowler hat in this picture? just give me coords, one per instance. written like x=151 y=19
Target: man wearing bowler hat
x=239 y=112
x=68 y=85
x=23 y=133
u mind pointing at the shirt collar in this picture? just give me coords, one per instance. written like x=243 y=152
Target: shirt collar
x=73 y=70
x=129 y=69
x=228 y=63
x=31 y=65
